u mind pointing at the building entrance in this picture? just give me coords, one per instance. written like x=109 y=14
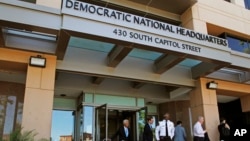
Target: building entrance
x=109 y=119
x=232 y=112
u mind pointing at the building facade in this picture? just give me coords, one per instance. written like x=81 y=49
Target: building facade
x=98 y=62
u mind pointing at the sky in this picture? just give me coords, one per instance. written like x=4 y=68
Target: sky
x=62 y=124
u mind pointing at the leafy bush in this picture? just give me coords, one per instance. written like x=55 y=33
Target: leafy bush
x=19 y=135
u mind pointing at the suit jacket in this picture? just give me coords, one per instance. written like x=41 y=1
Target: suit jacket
x=122 y=135
x=147 y=134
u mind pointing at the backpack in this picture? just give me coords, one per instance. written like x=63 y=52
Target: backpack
x=225 y=132
x=206 y=138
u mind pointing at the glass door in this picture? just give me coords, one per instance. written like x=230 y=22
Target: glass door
x=78 y=125
x=78 y=119
x=62 y=125
x=141 y=119
x=101 y=126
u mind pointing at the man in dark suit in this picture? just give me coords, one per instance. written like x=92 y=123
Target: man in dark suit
x=148 y=134
x=124 y=132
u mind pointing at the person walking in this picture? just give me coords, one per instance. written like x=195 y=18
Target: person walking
x=165 y=129
x=147 y=133
x=179 y=132
x=199 y=133
x=123 y=132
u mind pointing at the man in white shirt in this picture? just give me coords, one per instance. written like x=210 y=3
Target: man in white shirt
x=165 y=130
x=198 y=130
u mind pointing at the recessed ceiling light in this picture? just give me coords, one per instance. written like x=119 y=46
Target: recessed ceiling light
x=62 y=95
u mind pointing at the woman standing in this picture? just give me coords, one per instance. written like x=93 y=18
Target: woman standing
x=224 y=130
x=179 y=133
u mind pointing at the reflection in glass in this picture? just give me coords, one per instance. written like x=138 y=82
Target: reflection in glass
x=238 y=45
x=11 y=97
x=141 y=123
x=155 y=123
x=62 y=125
x=10 y=114
x=19 y=115
x=101 y=122
x=88 y=113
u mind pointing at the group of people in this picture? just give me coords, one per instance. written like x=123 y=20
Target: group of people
x=201 y=135
x=166 y=131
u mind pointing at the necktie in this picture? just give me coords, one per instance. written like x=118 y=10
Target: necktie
x=166 y=129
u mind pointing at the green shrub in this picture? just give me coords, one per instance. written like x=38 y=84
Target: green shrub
x=19 y=135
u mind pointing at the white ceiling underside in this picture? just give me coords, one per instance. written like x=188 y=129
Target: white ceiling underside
x=74 y=84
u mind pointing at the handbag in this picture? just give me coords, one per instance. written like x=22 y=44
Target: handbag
x=206 y=138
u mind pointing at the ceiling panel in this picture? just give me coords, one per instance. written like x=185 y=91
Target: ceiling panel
x=10 y=76
x=90 y=44
x=189 y=63
x=7 y=66
x=225 y=99
x=144 y=54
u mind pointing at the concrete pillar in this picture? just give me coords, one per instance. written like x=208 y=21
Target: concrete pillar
x=191 y=20
x=204 y=103
x=39 y=91
x=38 y=100
x=245 y=103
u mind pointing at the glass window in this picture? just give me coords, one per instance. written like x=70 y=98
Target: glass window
x=11 y=107
x=247 y=4
x=88 y=114
x=62 y=125
x=238 y=44
x=141 y=121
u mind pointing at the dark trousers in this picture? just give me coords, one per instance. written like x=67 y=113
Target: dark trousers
x=198 y=138
x=225 y=138
x=165 y=139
